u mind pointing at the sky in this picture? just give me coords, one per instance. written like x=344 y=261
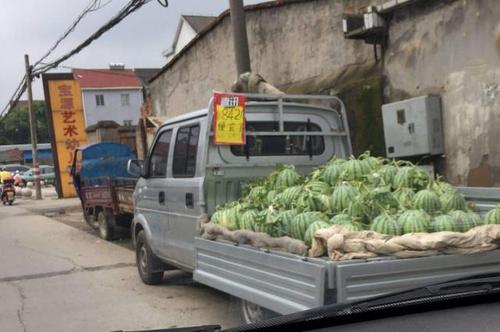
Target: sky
x=32 y=26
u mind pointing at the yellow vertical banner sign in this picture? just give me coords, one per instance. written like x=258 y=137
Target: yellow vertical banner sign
x=229 y=119
x=68 y=125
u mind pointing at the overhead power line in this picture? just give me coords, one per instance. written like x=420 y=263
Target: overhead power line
x=129 y=8
x=93 y=6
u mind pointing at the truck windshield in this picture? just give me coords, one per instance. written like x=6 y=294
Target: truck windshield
x=289 y=145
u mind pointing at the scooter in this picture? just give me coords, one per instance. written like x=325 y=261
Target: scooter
x=8 y=194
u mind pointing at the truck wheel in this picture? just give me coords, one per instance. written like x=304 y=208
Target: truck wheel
x=106 y=226
x=252 y=313
x=144 y=260
x=90 y=220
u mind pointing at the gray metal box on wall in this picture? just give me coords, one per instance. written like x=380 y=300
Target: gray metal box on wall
x=413 y=127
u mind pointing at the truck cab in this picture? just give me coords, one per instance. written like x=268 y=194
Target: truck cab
x=186 y=175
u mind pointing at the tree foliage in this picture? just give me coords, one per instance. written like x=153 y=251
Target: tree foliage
x=15 y=128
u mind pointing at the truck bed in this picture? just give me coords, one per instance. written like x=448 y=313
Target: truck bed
x=287 y=283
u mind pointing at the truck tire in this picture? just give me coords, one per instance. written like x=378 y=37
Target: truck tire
x=252 y=313
x=145 y=260
x=90 y=219
x=106 y=225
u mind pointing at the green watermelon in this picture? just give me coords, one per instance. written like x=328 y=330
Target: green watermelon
x=310 y=201
x=332 y=173
x=388 y=172
x=302 y=221
x=353 y=227
x=229 y=217
x=411 y=177
x=340 y=219
x=319 y=187
x=475 y=218
x=342 y=196
x=216 y=217
x=463 y=220
x=288 y=177
x=311 y=230
x=444 y=223
x=414 y=221
x=427 y=200
x=248 y=219
x=386 y=224
x=492 y=216
x=257 y=194
x=284 y=222
x=452 y=201
x=271 y=195
x=290 y=195
x=355 y=169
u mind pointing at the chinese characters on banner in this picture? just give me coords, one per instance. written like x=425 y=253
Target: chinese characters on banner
x=69 y=127
x=229 y=119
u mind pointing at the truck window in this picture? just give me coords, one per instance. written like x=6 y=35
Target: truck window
x=186 y=146
x=159 y=155
x=280 y=145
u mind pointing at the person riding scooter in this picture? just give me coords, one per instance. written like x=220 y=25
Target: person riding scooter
x=8 y=193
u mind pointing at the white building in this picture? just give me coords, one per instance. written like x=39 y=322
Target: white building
x=189 y=26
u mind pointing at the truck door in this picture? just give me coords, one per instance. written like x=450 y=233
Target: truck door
x=153 y=202
x=184 y=188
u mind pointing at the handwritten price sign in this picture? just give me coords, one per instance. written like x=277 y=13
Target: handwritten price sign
x=229 y=119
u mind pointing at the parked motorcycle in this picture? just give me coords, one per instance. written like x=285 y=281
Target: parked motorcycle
x=8 y=194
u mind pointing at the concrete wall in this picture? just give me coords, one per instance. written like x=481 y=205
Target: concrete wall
x=112 y=109
x=289 y=44
x=451 y=48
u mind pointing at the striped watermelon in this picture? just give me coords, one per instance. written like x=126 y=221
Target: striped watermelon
x=229 y=217
x=302 y=221
x=341 y=219
x=332 y=173
x=284 y=222
x=311 y=230
x=386 y=224
x=216 y=217
x=288 y=177
x=359 y=210
x=319 y=187
x=342 y=196
x=290 y=195
x=444 y=223
x=248 y=219
x=271 y=195
x=388 y=172
x=310 y=201
x=452 y=201
x=414 y=221
x=355 y=169
x=257 y=194
x=411 y=177
x=427 y=200
x=463 y=220
x=492 y=217
x=353 y=227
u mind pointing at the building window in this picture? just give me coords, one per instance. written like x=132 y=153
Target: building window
x=99 y=100
x=125 y=99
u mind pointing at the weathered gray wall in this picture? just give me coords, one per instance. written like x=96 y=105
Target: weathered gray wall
x=451 y=48
x=288 y=44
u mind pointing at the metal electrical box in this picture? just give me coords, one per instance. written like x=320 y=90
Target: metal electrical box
x=413 y=127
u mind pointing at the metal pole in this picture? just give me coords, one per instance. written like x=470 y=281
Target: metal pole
x=32 y=118
x=240 y=38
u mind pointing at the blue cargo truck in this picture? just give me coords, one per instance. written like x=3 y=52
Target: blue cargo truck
x=104 y=186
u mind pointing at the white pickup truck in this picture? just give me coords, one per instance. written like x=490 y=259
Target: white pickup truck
x=185 y=176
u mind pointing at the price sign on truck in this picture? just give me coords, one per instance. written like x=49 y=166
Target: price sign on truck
x=229 y=119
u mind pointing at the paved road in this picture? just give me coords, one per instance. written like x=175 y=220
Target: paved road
x=57 y=277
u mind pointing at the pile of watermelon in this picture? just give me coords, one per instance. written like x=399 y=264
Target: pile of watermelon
x=366 y=193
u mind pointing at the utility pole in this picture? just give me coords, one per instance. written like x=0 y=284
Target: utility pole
x=32 y=118
x=240 y=38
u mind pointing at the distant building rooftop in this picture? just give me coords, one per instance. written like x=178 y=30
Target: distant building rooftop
x=197 y=22
x=107 y=78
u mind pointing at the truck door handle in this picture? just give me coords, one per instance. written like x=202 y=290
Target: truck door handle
x=189 y=200
x=161 y=197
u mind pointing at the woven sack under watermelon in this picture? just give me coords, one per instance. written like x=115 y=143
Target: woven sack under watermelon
x=340 y=244
x=256 y=239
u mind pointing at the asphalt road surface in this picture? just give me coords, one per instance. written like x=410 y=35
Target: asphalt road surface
x=59 y=276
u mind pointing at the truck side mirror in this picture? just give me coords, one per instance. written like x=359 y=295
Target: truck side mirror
x=135 y=167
